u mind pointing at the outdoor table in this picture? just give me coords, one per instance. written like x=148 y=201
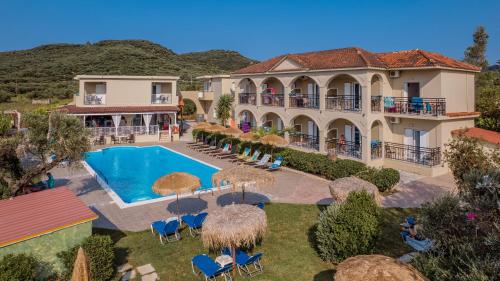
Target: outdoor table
x=224 y=260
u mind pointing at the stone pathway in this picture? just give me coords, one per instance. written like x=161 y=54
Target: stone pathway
x=290 y=187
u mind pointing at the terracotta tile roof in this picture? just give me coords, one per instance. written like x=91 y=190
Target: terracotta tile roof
x=460 y=114
x=356 y=57
x=35 y=214
x=73 y=109
x=481 y=134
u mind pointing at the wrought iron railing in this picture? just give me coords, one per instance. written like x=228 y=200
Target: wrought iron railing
x=94 y=99
x=376 y=149
x=273 y=100
x=161 y=99
x=414 y=154
x=123 y=130
x=304 y=141
x=415 y=105
x=376 y=103
x=248 y=98
x=343 y=103
x=304 y=101
x=344 y=148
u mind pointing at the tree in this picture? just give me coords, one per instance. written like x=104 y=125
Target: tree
x=50 y=139
x=476 y=53
x=5 y=123
x=224 y=107
x=189 y=107
x=488 y=100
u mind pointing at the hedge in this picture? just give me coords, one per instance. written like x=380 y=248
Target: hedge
x=18 y=267
x=384 y=179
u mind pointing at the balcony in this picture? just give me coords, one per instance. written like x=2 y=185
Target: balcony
x=415 y=106
x=95 y=99
x=343 y=103
x=161 y=99
x=304 y=141
x=304 y=101
x=273 y=100
x=206 y=96
x=344 y=148
x=413 y=154
x=376 y=149
x=248 y=98
x=376 y=103
x=123 y=130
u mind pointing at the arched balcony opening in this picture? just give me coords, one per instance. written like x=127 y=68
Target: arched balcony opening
x=343 y=138
x=376 y=93
x=305 y=133
x=273 y=122
x=247 y=92
x=343 y=94
x=376 y=141
x=247 y=121
x=304 y=93
x=273 y=92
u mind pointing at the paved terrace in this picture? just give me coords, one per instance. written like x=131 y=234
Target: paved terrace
x=290 y=187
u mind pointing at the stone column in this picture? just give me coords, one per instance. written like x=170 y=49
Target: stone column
x=322 y=98
x=286 y=96
x=322 y=141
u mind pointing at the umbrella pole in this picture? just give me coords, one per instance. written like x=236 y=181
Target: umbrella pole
x=243 y=193
x=177 y=205
x=233 y=252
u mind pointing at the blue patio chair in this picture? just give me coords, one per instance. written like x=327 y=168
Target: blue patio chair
x=210 y=269
x=166 y=230
x=417 y=104
x=260 y=205
x=276 y=164
x=244 y=261
x=263 y=161
x=194 y=222
x=418 y=245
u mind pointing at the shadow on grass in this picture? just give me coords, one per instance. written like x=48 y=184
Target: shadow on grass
x=311 y=238
x=121 y=254
x=324 y=275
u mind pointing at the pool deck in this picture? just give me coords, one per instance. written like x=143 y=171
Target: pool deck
x=290 y=187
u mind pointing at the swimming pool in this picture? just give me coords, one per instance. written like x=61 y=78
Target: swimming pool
x=128 y=173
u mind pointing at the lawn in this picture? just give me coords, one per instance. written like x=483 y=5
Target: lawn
x=288 y=249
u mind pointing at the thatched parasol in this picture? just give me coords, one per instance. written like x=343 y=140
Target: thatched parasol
x=249 y=136
x=176 y=183
x=340 y=189
x=81 y=269
x=274 y=141
x=376 y=268
x=234 y=226
x=242 y=176
x=234 y=132
x=216 y=128
x=202 y=126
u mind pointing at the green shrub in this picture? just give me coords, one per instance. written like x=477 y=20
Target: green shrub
x=5 y=123
x=18 y=267
x=4 y=97
x=384 y=179
x=99 y=250
x=189 y=107
x=348 y=229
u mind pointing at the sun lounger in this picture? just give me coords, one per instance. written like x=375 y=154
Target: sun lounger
x=206 y=148
x=263 y=161
x=194 y=222
x=252 y=159
x=276 y=165
x=209 y=268
x=418 y=245
x=260 y=205
x=223 y=150
x=243 y=155
x=244 y=261
x=229 y=154
x=168 y=231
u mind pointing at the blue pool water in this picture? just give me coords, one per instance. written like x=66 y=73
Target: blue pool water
x=131 y=171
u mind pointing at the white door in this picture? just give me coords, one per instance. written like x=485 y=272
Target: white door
x=405 y=90
x=424 y=139
x=348 y=133
x=408 y=140
x=310 y=128
x=280 y=125
x=310 y=90
x=347 y=95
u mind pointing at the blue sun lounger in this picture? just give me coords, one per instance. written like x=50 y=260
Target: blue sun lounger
x=263 y=161
x=244 y=261
x=210 y=269
x=168 y=231
x=276 y=164
x=194 y=222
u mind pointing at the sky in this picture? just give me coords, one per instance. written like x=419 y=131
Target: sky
x=257 y=29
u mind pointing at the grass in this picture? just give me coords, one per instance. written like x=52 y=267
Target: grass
x=23 y=104
x=288 y=246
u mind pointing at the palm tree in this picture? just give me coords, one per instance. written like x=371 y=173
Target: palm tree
x=224 y=107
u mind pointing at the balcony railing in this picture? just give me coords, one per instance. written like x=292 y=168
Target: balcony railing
x=415 y=105
x=376 y=103
x=161 y=99
x=248 y=98
x=304 y=101
x=304 y=141
x=344 y=148
x=343 y=103
x=376 y=149
x=414 y=154
x=123 y=130
x=94 y=99
x=273 y=100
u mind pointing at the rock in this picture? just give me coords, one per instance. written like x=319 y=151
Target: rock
x=145 y=269
x=340 y=188
x=125 y=267
x=376 y=268
x=150 y=277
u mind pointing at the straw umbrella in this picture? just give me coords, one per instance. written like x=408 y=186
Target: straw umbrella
x=216 y=128
x=81 y=269
x=234 y=226
x=274 y=141
x=176 y=183
x=233 y=132
x=241 y=176
x=376 y=268
x=202 y=126
x=249 y=137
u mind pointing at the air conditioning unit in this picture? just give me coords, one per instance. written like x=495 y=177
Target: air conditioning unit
x=394 y=73
x=394 y=120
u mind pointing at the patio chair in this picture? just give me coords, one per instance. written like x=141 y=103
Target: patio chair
x=243 y=155
x=243 y=261
x=260 y=205
x=166 y=230
x=130 y=138
x=210 y=269
x=100 y=140
x=223 y=150
x=194 y=222
x=389 y=105
x=262 y=162
x=276 y=165
x=114 y=140
x=417 y=104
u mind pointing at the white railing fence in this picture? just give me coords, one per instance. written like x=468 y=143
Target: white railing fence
x=124 y=130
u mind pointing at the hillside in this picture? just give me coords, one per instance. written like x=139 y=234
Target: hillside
x=48 y=70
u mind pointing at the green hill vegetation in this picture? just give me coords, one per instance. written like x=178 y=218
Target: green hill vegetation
x=47 y=71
